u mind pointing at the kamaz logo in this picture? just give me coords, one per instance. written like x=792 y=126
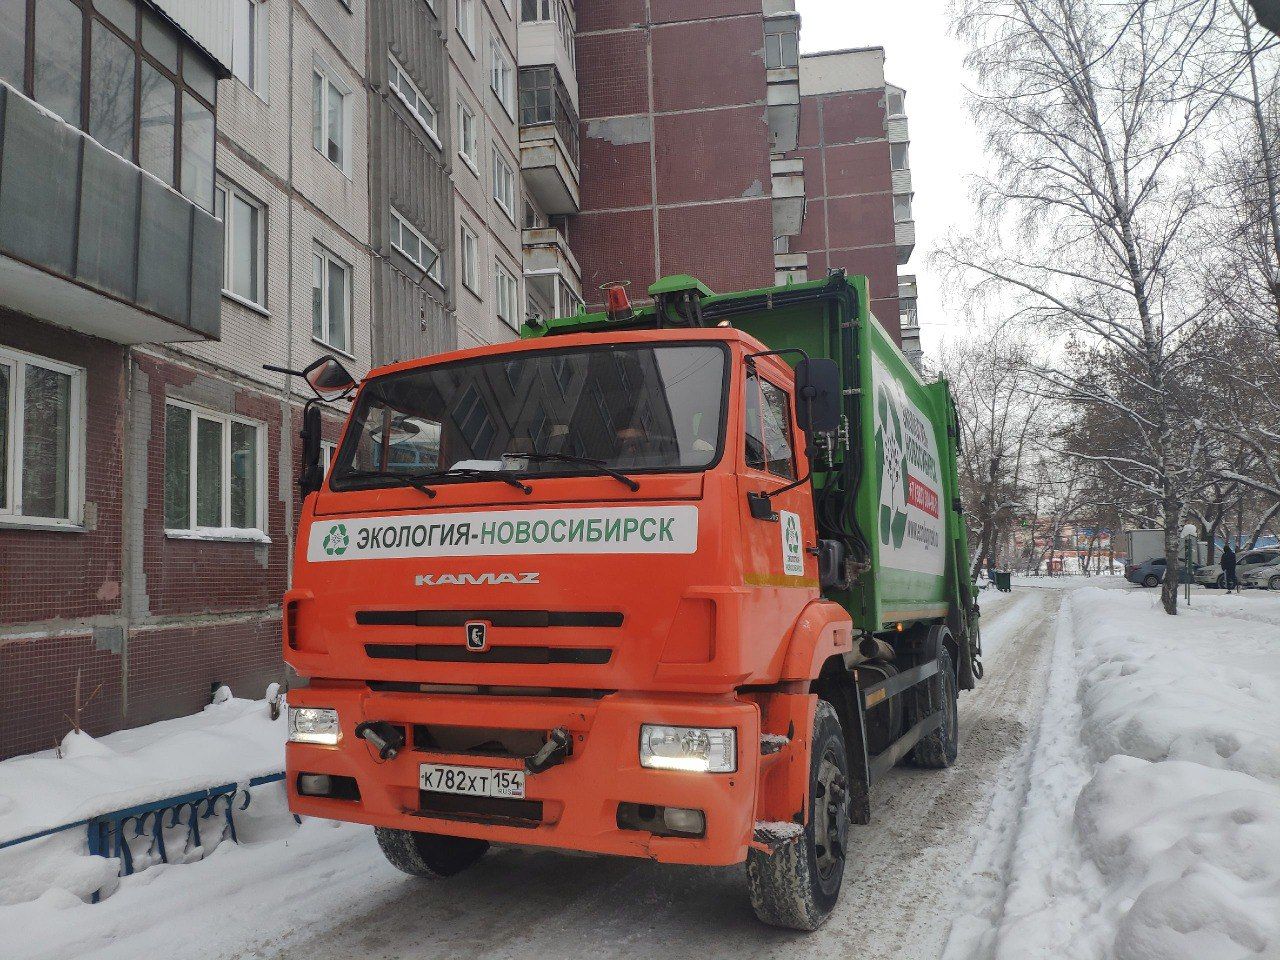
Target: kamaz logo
x=472 y=579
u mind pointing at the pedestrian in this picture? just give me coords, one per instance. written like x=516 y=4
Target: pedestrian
x=1229 y=569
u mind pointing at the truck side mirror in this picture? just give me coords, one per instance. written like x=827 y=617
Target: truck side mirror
x=818 y=395
x=311 y=477
x=329 y=378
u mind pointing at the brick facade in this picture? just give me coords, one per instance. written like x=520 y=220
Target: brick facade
x=848 y=183
x=675 y=144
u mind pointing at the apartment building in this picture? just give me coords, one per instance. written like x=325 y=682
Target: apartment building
x=190 y=189
x=482 y=42
x=857 y=176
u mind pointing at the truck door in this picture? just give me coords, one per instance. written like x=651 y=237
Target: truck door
x=778 y=570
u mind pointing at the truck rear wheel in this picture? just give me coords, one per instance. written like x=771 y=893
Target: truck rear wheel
x=798 y=885
x=428 y=854
x=941 y=747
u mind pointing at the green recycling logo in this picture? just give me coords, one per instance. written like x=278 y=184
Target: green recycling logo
x=336 y=541
x=891 y=459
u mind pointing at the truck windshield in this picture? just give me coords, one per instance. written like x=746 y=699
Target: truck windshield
x=633 y=408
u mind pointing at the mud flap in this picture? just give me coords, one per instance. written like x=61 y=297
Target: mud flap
x=859 y=762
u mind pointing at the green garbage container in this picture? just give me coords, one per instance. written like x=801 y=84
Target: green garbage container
x=1002 y=581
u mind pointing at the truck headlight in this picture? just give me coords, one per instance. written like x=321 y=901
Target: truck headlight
x=314 y=725
x=699 y=749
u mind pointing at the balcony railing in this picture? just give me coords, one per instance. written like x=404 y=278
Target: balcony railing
x=91 y=242
x=544 y=99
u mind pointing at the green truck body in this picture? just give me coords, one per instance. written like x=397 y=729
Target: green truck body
x=890 y=485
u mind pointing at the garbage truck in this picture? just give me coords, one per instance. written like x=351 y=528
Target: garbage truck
x=678 y=581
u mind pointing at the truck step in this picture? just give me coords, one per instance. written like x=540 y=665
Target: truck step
x=773 y=832
x=771 y=743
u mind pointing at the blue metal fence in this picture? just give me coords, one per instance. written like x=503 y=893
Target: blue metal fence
x=110 y=834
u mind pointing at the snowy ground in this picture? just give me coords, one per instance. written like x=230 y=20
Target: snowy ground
x=1117 y=795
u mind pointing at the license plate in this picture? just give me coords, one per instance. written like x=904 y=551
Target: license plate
x=472 y=781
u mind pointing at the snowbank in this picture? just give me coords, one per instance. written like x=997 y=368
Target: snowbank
x=1151 y=829
x=228 y=742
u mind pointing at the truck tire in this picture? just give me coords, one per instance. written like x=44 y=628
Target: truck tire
x=1151 y=580
x=941 y=747
x=798 y=885
x=428 y=854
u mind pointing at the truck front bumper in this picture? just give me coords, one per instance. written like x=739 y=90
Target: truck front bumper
x=573 y=805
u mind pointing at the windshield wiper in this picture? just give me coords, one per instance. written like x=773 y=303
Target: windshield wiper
x=570 y=458
x=420 y=481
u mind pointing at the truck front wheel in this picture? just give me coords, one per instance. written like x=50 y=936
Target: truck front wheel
x=941 y=747
x=798 y=884
x=428 y=854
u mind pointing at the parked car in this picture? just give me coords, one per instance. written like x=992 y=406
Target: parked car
x=1263 y=577
x=1148 y=574
x=1247 y=563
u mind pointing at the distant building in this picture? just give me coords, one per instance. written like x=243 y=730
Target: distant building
x=857 y=174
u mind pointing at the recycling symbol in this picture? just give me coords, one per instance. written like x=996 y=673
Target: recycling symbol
x=336 y=541
x=892 y=462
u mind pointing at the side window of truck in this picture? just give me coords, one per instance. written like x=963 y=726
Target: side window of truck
x=769 y=428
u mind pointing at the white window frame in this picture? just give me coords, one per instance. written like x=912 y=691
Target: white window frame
x=469 y=260
x=11 y=510
x=397 y=78
x=318 y=249
x=504 y=184
x=229 y=192
x=260 y=485
x=506 y=291
x=467 y=20
x=258 y=14
x=331 y=82
x=904 y=146
x=465 y=152
x=502 y=76
x=327 y=449
x=903 y=198
x=435 y=271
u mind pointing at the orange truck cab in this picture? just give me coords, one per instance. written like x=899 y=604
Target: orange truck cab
x=572 y=592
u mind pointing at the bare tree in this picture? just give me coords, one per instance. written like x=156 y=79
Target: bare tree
x=1001 y=416
x=1087 y=109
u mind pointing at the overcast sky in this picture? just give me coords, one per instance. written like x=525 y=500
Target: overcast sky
x=922 y=57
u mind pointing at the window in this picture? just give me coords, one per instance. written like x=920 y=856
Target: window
x=412 y=98
x=159 y=115
x=59 y=33
x=465 y=13
x=502 y=78
x=212 y=470
x=41 y=438
x=505 y=294
x=901 y=208
x=244 y=231
x=467 y=135
x=116 y=71
x=111 y=99
x=895 y=102
x=898 y=156
x=327 y=449
x=329 y=120
x=768 y=437
x=545 y=99
x=504 y=184
x=533 y=11
x=470 y=267
x=248 y=43
x=330 y=300
x=417 y=248
x=197 y=151
x=781 y=50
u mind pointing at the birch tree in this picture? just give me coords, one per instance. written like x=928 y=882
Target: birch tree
x=1086 y=109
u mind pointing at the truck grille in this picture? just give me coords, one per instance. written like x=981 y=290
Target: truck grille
x=497 y=618
x=477 y=741
x=456 y=653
